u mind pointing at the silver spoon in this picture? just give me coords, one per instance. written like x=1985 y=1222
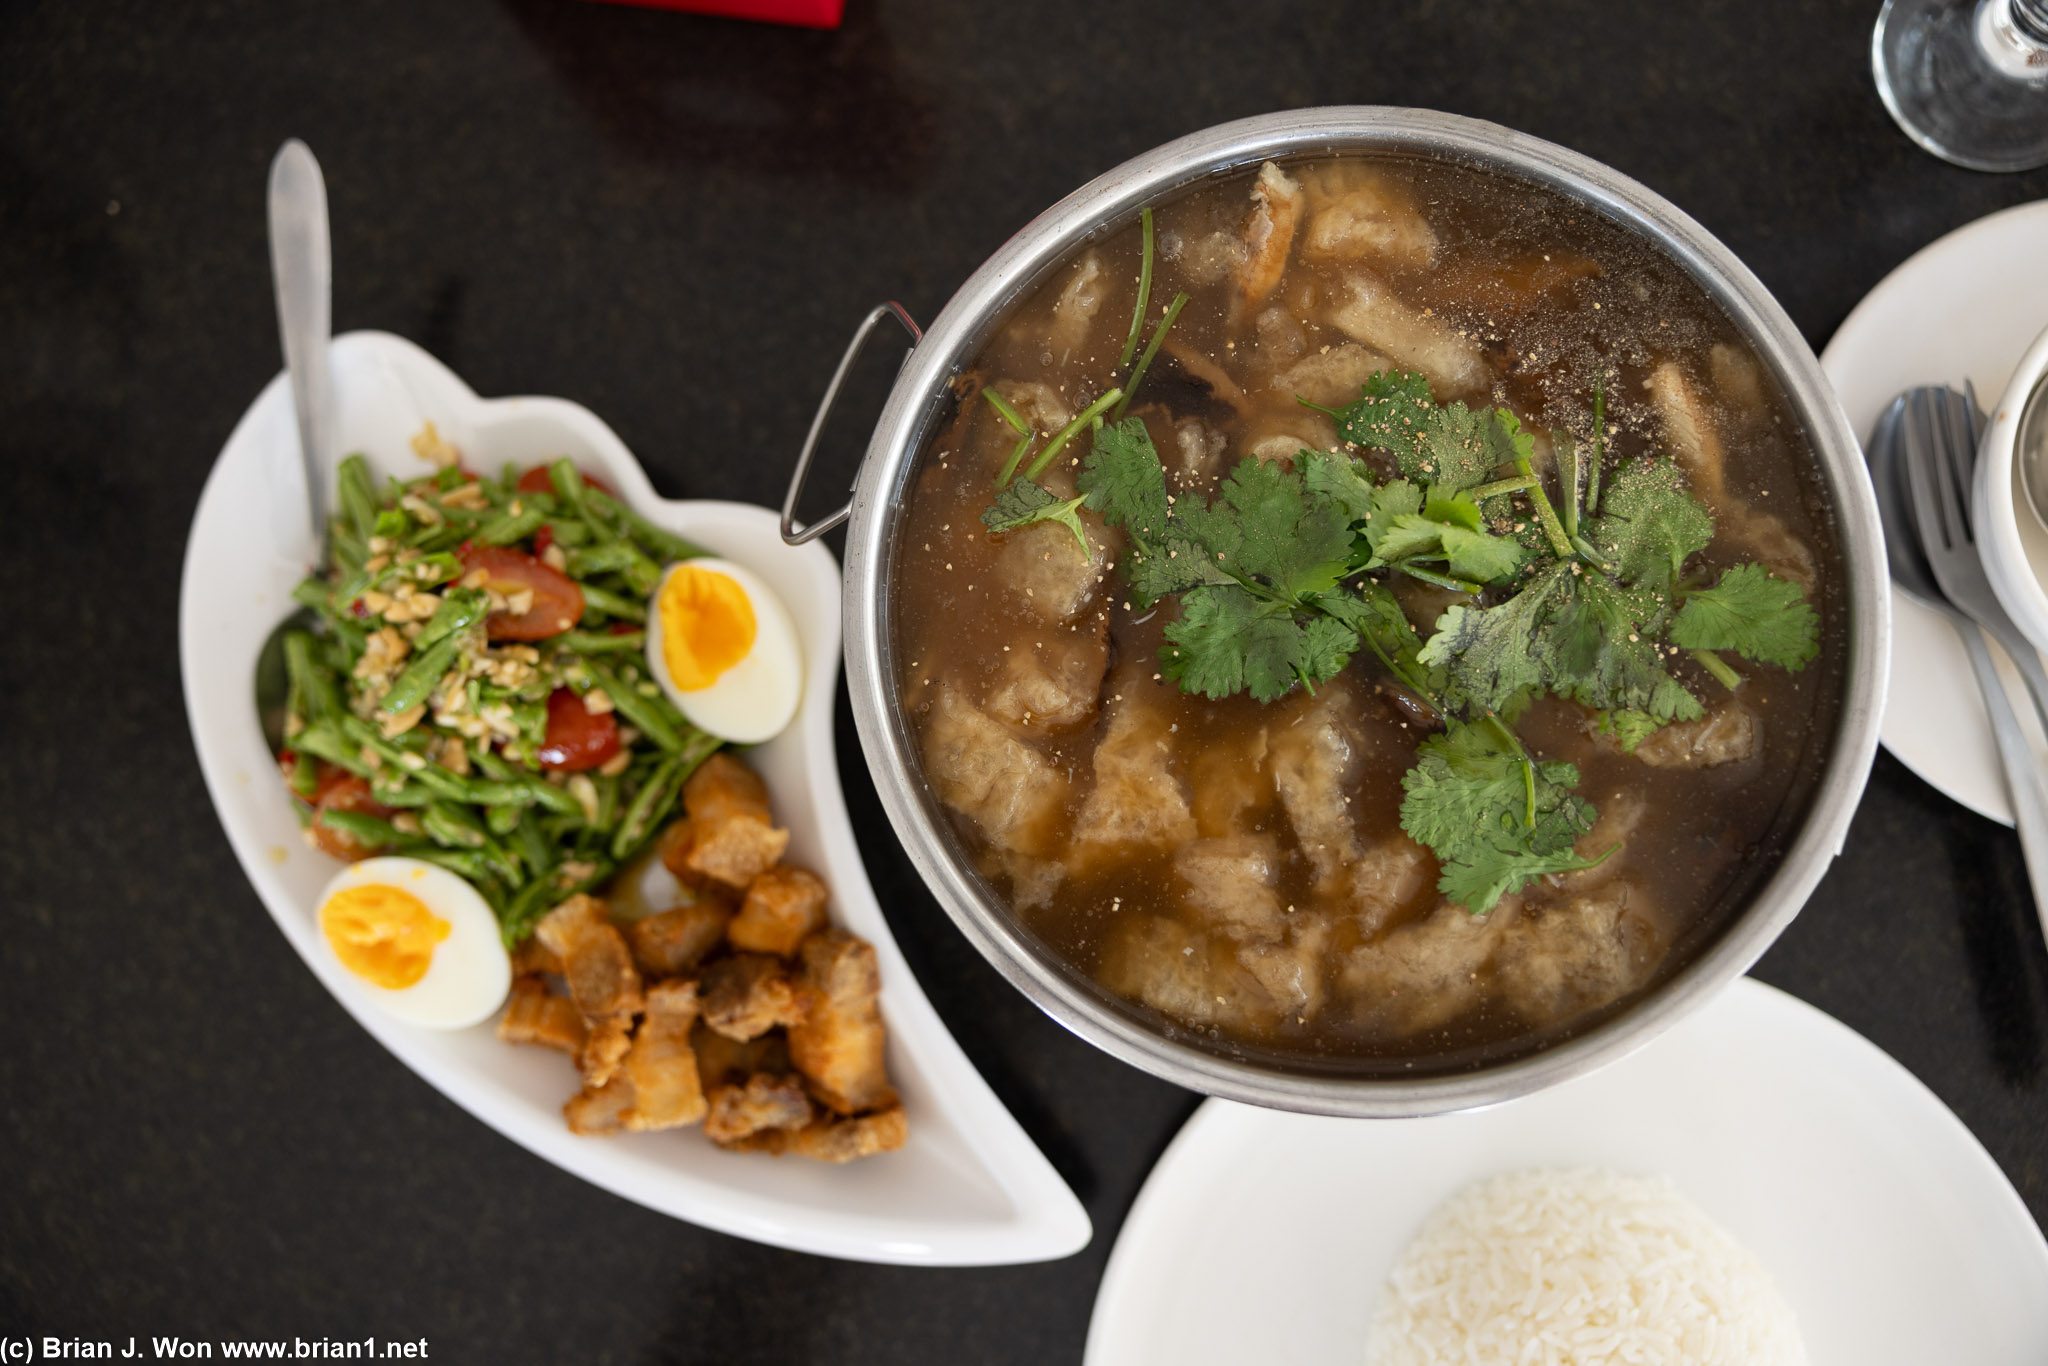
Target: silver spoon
x=302 y=266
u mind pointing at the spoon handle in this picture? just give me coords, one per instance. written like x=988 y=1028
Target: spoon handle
x=2022 y=775
x=302 y=264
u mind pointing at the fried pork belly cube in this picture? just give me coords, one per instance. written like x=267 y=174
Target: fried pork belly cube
x=1045 y=564
x=1074 y=313
x=748 y=994
x=1417 y=976
x=720 y=1059
x=532 y=956
x=839 y=1045
x=849 y=1140
x=1055 y=683
x=1566 y=957
x=1386 y=880
x=597 y=1110
x=1229 y=883
x=783 y=905
x=1331 y=378
x=1369 y=312
x=765 y=1102
x=662 y=1066
x=1314 y=751
x=1003 y=785
x=1727 y=735
x=1268 y=238
x=606 y=1042
x=730 y=838
x=1137 y=800
x=533 y=1016
x=1360 y=215
x=594 y=957
x=727 y=851
x=723 y=786
x=676 y=940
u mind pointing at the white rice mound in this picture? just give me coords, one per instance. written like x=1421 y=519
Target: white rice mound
x=1578 y=1268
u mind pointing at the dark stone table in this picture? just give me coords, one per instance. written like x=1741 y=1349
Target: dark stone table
x=676 y=220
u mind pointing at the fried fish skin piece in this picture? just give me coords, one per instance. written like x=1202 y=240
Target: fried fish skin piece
x=600 y=1109
x=838 y=1045
x=783 y=905
x=749 y=994
x=676 y=940
x=534 y=1016
x=766 y=1102
x=662 y=1067
x=594 y=957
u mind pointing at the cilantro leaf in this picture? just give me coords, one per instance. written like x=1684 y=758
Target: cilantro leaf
x=1173 y=566
x=1265 y=525
x=1376 y=617
x=1340 y=479
x=1489 y=654
x=1479 y=556
x=1450 y=445
x=1123 y=480
x=1025 y=502
x=1599 y=648
x=1754 y=613
x=1326 y=647
x=1649 y=524
x=1228 y=641
x=1629 y=728
x=1495 y=819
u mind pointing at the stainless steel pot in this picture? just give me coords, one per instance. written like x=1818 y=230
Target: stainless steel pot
x=920 y=399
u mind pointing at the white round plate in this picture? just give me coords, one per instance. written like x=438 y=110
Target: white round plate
x=1961 y=309
x=1265 y=1237
x=968 y=1189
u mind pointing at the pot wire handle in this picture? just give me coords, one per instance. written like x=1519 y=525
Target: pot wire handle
x=792 y=534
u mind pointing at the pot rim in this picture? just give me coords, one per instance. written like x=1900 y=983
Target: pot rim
x=918 y=398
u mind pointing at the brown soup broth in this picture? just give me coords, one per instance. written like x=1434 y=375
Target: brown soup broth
x=1117 y=814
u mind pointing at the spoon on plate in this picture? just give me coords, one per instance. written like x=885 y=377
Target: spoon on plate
x=302 y=266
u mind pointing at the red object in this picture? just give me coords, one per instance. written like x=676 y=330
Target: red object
x=538 y=480
x=543 y=538
x=350 y=794
x=557 y=601
x=576 y=739
x=802 y=13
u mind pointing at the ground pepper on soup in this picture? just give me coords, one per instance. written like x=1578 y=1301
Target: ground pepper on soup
x=1369 y=609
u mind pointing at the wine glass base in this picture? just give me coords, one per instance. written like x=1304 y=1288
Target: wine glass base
x=1942 y=88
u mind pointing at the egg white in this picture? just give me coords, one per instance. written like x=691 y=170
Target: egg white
x=754 y=699
x=470 y=973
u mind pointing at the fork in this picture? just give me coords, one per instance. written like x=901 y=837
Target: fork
x=1938 y=436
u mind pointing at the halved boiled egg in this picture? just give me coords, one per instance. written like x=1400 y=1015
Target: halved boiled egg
x=420 y=938
x=722 y=645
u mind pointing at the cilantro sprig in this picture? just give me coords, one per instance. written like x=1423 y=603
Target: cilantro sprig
x=1285 y=574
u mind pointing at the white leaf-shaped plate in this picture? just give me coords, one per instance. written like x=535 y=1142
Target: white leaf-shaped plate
x=968 y=1189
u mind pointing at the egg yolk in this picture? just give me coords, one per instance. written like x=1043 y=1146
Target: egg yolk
x=707 y=626
x=384 y=935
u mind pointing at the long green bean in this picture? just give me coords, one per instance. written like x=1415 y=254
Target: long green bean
x=641 y=711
